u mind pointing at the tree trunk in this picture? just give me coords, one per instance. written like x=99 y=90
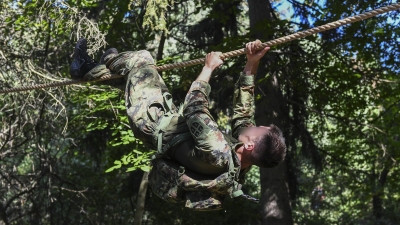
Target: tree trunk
x=141 y=199
x=3 y=215
x=160 y=49
x=377 y=205
x=275 y=198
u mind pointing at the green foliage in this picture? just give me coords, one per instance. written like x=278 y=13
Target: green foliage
x=135 y=159
x=155 y=13
x=100 y=106
x=349 y=119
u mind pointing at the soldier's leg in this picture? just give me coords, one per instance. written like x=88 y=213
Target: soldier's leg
x=146 y=95
x=84 y=67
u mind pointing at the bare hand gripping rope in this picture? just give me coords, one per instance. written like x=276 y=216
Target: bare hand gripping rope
x=230 y=54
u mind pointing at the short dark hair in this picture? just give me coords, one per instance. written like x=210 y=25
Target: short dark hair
x=269 y=149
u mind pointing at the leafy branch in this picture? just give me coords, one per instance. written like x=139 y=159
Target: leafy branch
x=136 y=160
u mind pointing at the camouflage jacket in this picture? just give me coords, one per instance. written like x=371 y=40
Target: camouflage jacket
x=210 y=150
x=200 y=170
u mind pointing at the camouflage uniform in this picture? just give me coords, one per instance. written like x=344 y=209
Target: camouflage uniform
x=209 y=152
x=146 y=96
x=211 y=146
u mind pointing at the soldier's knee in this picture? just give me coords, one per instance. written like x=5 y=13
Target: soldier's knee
x=147 y=56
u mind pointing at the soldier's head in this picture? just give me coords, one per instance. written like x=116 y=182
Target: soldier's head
x=265 y=146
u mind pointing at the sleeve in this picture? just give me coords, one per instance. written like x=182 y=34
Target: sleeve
x=243 y=104
x=210 y=143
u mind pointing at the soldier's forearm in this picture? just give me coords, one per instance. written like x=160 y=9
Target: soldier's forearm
x=197 y=98
x=205 y=74
x=251 y=67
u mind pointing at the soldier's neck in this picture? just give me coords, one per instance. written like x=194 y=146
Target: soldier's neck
x=243 y=157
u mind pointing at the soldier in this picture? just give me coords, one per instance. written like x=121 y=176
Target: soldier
x=189 y=144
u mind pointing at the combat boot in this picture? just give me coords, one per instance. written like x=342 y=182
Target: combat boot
x=108 y=55
x=82 y=62
x=101 y=71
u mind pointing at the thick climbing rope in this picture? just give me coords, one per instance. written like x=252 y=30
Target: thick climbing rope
x=230 y=54
x=58 y=84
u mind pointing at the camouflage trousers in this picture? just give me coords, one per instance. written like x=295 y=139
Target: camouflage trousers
x=145 y=92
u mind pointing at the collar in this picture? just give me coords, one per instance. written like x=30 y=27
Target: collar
x=234 y=144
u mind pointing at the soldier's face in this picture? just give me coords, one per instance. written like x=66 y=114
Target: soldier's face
x=252 y=133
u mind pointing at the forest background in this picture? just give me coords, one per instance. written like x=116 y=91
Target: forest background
x=335 y=95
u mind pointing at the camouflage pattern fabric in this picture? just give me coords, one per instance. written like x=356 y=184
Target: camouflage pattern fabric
x=146 y=105
x=210 y=143
x=211 y=146
x=203 y=201
x=243 y=104
x=97 y=72
x=172 y=183
x=144 y=92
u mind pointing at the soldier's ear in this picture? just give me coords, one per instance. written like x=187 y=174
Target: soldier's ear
x=249 y=146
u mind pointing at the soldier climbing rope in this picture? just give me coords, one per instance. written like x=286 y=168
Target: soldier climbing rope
x=230 y=54
x=195 y=162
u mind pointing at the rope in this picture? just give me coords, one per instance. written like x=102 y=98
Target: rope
x=234 y=53
x=58 y=84
x=291 y=37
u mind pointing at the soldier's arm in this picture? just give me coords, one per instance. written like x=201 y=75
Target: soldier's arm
x=210 y=144
x=243 y=104
x=243 y=100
